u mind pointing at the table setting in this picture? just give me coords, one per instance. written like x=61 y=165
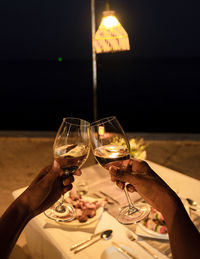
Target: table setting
x=47 y=238
x=96 y=219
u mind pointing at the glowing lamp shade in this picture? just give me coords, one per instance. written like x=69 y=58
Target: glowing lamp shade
x=110 y=36
x=110 y=22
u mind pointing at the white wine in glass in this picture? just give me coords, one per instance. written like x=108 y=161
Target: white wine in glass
x=110 y=144
x=71 y=149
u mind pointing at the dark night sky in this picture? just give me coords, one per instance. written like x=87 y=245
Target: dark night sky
x=161 y=71
x=49 y=29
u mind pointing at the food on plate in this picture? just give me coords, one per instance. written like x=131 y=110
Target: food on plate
x=84 y=208
x=155 y=222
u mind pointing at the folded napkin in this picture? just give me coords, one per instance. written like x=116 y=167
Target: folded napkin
x=90 y=228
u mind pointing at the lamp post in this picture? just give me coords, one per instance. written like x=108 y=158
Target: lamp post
x=94 y=61
x=110 y=37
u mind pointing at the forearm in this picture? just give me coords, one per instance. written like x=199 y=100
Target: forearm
x=183 y=235
x=12 y=223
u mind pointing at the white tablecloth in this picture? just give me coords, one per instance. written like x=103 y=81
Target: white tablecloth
x=47 y=243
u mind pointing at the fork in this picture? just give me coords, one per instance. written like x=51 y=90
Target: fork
x=132 y=238
x=103 y=197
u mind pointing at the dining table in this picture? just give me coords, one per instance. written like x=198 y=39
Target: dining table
x=49 y=239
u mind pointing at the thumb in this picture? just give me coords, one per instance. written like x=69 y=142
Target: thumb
x=56 y=166
x=56 y=169
x=114 y=170
x=54 y=172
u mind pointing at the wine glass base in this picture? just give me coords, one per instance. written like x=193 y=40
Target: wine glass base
x=66 y=216
x=61 y=209
x=127 y=218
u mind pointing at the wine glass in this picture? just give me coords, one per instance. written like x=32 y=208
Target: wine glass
x=109 y=144
x=71 y=149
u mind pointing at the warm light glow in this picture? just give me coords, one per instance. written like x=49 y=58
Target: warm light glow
x=113 y=155
x=110 y=36
x=101 y=130
x=110 y=21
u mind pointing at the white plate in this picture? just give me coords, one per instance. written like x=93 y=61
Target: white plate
x=141 y=230
x=75 y=222
x=112 y=253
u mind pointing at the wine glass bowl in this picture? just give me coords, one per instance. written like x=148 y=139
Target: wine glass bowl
x=71 y=157
x=72 y=144
x=110 y=144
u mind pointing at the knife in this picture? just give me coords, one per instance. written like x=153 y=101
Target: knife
x=105 y=235
x=86 y=240
x=194 y=209
x=105 y=194
x=80 y=248
x=122 y=250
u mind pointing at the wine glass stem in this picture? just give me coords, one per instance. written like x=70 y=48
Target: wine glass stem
x=132 y=208
x=60 y=207
x=61 y=200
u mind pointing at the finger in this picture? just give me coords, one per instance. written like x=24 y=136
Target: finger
x=120 y=175
x=68 y=180
x=139 y=166
x=130 y=188
x=56 y=167
x=113 y=178
x=114 y=170
x=119 y=164
x=124 y=164
x=55 y=171
x=129 y=166
x=52 y=175
x=120 y=184
x=67 y=188
x=78 y=172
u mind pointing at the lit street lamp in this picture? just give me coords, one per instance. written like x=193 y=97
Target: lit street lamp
x=110 y=37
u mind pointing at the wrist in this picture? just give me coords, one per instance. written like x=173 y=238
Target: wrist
x=170 y=206
x=24 y=207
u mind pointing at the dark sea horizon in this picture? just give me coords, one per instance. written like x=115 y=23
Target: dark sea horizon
x=147 y=95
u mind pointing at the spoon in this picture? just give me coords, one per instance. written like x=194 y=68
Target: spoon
x=86 y=240
x=193 y=203
x=105 y=235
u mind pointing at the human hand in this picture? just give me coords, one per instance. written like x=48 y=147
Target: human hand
x=141 y=178
x=46 y=189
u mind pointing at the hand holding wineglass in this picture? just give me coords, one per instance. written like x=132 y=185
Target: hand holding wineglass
x=70 y=150
x=141 y=178
x=110 y=144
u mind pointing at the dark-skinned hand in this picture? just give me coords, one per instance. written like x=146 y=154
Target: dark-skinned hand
x=46 y=189
x=141 y=178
